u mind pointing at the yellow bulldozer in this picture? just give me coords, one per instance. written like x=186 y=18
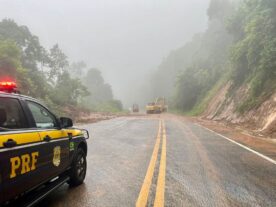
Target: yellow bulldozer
x=157 y=107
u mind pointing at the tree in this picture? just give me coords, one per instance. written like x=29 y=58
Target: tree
x=100 y=91
x=187 y=90
x=46 y=74
x=219 y=9
x=58 y=63
x=31 y=50
x=77 y=69
x=10 y=65
x=101 y=96
x=253 y=54
x=9 y=58
x=31 y=54
x=68 y=91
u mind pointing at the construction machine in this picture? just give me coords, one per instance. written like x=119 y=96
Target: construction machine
x=157 y=107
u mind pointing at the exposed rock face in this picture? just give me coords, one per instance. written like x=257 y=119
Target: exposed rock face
x=261 y=119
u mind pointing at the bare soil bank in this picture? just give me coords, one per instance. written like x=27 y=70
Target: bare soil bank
x=260 y=120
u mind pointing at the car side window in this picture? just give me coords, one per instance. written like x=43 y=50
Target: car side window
x=11 y=114
x=42 y=117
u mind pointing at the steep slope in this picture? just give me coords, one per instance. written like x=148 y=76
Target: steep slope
x=261 y=119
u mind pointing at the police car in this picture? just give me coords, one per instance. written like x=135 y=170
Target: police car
x=38 y=151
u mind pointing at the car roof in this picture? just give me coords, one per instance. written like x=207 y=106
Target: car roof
x=18 y=96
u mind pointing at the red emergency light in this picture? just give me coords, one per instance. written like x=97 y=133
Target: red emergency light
x=8 y=86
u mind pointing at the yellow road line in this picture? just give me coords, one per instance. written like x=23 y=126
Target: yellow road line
x=160 y=189
x=144 y=193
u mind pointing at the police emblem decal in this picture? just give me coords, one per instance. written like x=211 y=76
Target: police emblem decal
x=56 y=157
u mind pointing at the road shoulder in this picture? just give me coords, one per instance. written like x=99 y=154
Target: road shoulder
x=266 y=146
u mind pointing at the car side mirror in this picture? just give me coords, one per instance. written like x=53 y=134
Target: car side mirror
x=66 y=122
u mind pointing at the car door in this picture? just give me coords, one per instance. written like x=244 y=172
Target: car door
x=55 y=141
x=19 y=150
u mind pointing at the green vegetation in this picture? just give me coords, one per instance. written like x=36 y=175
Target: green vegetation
x=239 y=47
x=48 y=75
x=101 y=96
x=253 y=55
x=202 y=104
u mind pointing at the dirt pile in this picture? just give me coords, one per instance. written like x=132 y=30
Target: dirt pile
x=95 y=117
x=80 y=115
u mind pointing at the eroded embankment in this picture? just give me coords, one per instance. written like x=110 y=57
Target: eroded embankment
x=260 y=120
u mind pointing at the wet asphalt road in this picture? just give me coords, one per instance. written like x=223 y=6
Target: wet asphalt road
x=200 y=168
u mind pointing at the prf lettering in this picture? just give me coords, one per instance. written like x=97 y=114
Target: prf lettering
x=23 y=164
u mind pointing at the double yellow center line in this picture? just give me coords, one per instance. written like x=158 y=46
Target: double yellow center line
x=160 y=189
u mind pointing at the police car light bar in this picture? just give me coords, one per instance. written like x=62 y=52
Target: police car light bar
x=8 y=86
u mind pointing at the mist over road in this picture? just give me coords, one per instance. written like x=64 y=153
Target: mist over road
x=128 y=157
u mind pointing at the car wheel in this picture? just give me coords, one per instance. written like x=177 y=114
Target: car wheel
x=78 y=168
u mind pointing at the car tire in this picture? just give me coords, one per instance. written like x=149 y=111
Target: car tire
x=78 y=168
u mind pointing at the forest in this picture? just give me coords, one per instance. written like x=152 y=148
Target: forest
x=238 y=47
x=49 y=75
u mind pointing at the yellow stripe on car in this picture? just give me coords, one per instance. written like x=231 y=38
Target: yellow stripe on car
x=23 y=138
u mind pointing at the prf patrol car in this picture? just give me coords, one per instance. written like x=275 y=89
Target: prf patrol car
x=38 y=151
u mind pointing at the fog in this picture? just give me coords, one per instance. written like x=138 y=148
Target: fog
x=125 y=39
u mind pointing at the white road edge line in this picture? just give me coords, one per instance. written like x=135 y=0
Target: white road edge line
x=241 y=145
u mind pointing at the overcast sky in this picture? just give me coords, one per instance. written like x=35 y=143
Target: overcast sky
x=125 y=39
